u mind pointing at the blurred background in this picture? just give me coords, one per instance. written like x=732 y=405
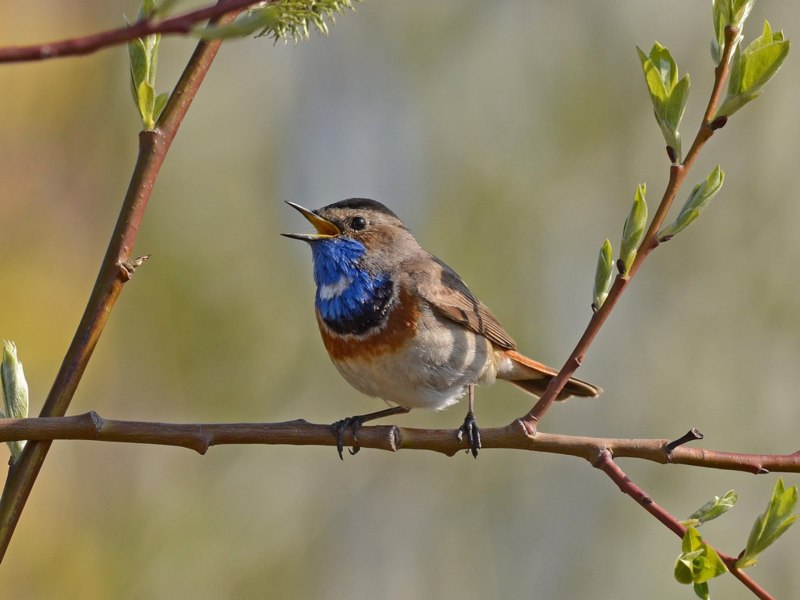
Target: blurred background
x=510 y=136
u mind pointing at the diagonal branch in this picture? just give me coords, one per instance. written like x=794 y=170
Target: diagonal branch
x=201 y=436
x=92 y=43
x=605 y=462
x=114 y=272
x=677 y=175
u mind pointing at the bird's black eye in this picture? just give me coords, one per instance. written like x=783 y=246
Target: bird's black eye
x=358 y=223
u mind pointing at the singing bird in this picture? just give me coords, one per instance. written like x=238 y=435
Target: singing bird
x=401 y=325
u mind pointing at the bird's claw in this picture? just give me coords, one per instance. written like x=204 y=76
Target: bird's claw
x=470 y=428
x=339 y=428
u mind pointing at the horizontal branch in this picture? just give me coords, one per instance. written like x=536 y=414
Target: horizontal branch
x=201 y=436
x=78 y=46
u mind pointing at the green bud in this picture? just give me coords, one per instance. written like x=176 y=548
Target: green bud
x=667 y=93
x=143 y=58
x=147 y=8
x=752 y=68
x=15 y=391
x=701 y=195
x=728 y=13
x=698 y=562
x=771 y=524
x=712 y=509
x=633 y=230
x=604 y=275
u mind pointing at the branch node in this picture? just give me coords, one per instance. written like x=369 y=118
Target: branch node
x=529 y=425
x=603 y=457
x=97 y=421
x=672 y=155
x=128 y=268
x=395 y=438
x=718 y=123
x=762 y=471
x=202 y=442
x=690 y=436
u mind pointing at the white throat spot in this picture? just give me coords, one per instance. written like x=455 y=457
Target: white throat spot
x=332 y=290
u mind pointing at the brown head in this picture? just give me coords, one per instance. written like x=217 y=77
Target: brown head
x=387 y=240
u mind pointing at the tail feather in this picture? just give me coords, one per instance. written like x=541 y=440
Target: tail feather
x=534 y=377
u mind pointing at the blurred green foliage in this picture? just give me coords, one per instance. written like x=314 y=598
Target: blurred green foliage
x=485 y=130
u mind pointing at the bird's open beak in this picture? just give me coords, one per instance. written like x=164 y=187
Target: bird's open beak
x=325 y=229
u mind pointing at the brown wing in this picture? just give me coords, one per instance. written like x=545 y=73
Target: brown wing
x=449 y=295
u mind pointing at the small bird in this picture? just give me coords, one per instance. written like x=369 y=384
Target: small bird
x=401 y=325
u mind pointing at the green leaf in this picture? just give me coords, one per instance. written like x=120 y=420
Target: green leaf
x=143 y=57
x=151 y=43
x=677 y=102
x=603 y=275
x=145 y=101
x=731 y=12
x=701 y=195
x=658 y=67
x=712 y=509
x=633 y=230
x=667 y=93
x=764 y=57
x=139 y=62
x=728 y=13
x=719 y=32
x=146 y=8
x=771 y=524
x=158 y=105
x=752 y=68
x=701 y=590
x=698 y=562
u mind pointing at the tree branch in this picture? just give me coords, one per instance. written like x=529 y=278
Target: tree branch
x=605 y=462
x=114 y=272
x=92 y=43
x=201 y=436
x=677 y=175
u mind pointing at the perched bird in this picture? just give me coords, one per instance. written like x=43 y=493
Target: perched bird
x=401 y=325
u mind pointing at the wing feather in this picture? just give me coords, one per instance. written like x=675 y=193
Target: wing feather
x=450 y=297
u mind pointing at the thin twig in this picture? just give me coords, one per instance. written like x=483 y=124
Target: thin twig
x=153 y=147
x=200 y=436
x=690 y=436
x=677 y=175
x=605 y=462
x=180 y=24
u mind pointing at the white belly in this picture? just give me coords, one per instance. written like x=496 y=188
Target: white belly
x=432 y=371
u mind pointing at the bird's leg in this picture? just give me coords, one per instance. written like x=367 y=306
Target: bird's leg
x=470 y=426
x=339 y=427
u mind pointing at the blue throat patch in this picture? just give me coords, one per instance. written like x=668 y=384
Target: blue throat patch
x=349 y=299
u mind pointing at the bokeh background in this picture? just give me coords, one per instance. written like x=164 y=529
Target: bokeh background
x=510 y=135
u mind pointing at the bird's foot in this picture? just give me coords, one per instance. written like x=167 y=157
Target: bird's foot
x=340 y=427
x=470 y=429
